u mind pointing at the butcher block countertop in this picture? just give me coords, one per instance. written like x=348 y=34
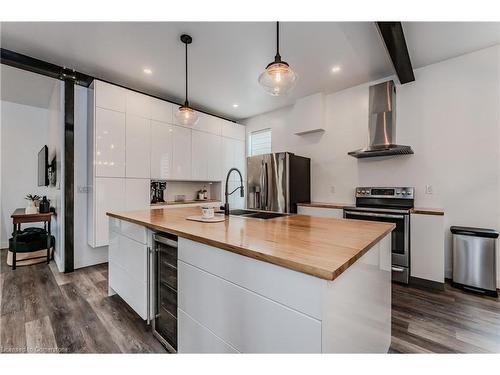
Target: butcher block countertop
x=318 y=246
x=325 y=205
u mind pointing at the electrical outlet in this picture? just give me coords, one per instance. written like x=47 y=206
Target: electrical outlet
x=332 y=189
x=428 y=189
x=83 y=189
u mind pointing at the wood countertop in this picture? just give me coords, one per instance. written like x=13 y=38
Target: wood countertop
x=318 y=246
x=325 y=205
x=416 y=210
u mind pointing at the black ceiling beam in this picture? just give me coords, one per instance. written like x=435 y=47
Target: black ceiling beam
x=394 y=40
x=31 y=64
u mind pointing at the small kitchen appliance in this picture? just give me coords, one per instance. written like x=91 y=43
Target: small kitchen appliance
x=157 y=191
x=390 y=205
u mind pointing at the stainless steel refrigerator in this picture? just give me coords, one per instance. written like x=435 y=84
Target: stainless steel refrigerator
x=278 y=181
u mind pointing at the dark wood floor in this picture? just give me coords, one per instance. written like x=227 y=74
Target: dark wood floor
x=45 y=311
x=449 y=321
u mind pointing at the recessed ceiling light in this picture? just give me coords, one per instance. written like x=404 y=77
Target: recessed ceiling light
x=336 y=69
x=236 y=105
x=147 y=71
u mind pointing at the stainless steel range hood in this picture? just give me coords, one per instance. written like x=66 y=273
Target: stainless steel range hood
x=382 y=124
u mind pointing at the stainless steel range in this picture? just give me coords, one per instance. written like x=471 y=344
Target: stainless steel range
x=391 y=205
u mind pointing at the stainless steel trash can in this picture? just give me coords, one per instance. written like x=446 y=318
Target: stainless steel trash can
x=474 y=259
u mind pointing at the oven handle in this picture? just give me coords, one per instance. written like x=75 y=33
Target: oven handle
x=397 y=269
x=371 y=214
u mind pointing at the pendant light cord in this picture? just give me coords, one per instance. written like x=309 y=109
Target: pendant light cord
x=186 y=103
x=277 y=58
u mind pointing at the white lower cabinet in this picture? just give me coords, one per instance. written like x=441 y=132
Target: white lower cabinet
x=110 y=196
x=321 y=211
x=198 y=339
x=128 y=264
x=247 y=321
x=427 y=247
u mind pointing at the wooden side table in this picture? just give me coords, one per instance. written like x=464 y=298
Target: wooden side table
x=20 y=217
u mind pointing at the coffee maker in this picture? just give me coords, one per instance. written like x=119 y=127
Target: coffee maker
x=157 y=191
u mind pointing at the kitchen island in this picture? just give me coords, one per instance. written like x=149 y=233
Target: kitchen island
x=290 y=284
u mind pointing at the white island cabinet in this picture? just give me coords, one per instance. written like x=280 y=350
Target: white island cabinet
x=230 y=303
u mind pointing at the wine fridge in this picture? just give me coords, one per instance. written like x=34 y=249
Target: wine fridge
x=165 y=290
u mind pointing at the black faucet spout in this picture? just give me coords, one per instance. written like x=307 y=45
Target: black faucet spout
x=227 y=194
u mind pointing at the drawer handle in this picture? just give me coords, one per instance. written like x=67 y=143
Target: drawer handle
x=398 y=269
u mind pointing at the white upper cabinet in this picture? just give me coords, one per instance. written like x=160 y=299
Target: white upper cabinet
x=209 y=124
x=214 y=157
x=138 y=146
x=110 y=197
x=109 y=143
x=161 y=110
x=199 y=162
x=181 y=146
x=308 y=114
x=233 y=130
x=138 y=104
x=206 y=156
x=161 y=150
x=110 y=96
x=233 y=157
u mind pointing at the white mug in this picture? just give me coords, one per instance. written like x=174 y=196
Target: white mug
x=207 y=212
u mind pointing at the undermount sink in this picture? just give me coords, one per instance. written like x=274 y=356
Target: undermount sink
x=256 y=214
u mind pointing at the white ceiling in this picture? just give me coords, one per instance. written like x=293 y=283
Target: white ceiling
x=22 y=87
x=226 y=58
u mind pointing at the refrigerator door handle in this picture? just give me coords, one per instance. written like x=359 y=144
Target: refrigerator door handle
x=266 y=186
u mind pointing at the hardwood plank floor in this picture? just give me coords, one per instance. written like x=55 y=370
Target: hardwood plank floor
x=44 y=311
x=449 y=321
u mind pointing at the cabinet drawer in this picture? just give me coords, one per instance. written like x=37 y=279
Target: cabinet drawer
x=294 y=289
x=129 y=255
x=194 y=338
x=247 y=321
x=131 y=290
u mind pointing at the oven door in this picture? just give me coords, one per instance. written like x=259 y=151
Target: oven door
x=400 y=236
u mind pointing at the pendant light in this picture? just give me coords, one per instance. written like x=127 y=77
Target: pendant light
x=186 y=115
x=278 y=78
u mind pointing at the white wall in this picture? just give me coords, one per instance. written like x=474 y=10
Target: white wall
x=450 y=117
x=24 y=133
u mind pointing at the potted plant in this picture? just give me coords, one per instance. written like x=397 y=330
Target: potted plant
x=32 y=199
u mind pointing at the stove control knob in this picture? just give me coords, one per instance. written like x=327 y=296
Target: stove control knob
x=404 y=192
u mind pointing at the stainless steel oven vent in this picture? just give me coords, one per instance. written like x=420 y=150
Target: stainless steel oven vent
x=382 y=124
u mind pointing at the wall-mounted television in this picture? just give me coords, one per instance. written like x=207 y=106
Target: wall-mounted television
x=43 y=166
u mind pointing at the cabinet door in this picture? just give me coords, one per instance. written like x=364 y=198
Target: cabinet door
x=110 y=196
x=109 y=96
x=138 y=104
x=233 y=130
x=137 y=194
x=208 y=124
x=427 y=247
x=181 y=139
x=199 y=152
x=109 y=143
x=233 y=156
x=161 y=110
x=214 y=157
x=138 y=146
x=161 y=150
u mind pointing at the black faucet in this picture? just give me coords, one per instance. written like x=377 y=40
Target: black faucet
x=226 y=203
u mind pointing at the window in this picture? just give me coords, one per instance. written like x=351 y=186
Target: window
x=260 y=142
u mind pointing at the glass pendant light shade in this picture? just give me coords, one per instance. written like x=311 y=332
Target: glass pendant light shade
x=186 y=116
x=278 y=79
